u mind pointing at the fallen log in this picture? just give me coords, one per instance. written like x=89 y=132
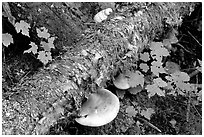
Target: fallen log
x=93 y=57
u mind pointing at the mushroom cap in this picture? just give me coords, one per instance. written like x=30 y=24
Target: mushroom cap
x=108 y=11
x=99 y=17
x=121 y=82
x=100 y=108
x=102 y=15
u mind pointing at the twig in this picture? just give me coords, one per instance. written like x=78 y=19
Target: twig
x=194 y=73
x=9 y=77
x=188 y=107
x=196 y=85
x=194 y=38
x=185 y=49
x=22 y=78
x=197 y=111
x=149 y=124
x=191 y=103
x=194 y=105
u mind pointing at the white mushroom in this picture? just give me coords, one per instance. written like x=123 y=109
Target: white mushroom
x=102 y=15
x=121 y=82
x=100 y=108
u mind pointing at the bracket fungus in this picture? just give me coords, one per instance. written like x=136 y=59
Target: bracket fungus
x=100 y=109
x=121 y=82
x=102 y=15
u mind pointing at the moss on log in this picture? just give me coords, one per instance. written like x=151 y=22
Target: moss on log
x=94 y=55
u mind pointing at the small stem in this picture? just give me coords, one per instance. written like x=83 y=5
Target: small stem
x=197 y=111
x=194 y=73
x=149 y=124
x=194 y=38
x=185 y=49
x=188 y=107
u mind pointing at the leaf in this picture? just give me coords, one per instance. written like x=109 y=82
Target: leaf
x=130 y=110
x=155 y=45
x=157 y=68
x=160 y=82
x=22 y=27
x=180 y=79
x=160 y=52
x=199 y=94
x=145 y=56
x=47 y=46
x=172 y=67
x=184 y=87
x=43 y=33
x=135 y=79
x=200 y=62
x=7 y=39
x=154 y=89
x=169 y=78
x=147 y=113
x=33 y=48
x=51 y=42
x=180 y=76
x=44 y=57
x=199 y=69
x=144 y=67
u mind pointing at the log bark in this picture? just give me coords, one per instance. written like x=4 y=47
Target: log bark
x=93 y=57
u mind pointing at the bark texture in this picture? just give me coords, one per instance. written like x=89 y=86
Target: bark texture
x=94 y=55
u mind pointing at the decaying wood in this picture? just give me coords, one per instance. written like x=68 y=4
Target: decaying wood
x=92 y=58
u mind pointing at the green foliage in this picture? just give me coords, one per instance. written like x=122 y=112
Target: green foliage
x=158 y=50
x=147 y=113
x=33 y=49
x=160 y=82
x=7 y=39
x=154 y=89
x=145 y=56
x=144 y=67
x=137 y=57
x=176 y=82
x=43 y=33
x=23 y=27
x=47 y=42
x=180 y=80
x=44 y=56
x=130 y=110
x=136 y=79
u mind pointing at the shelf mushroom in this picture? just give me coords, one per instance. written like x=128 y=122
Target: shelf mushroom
x=100 y=109
x=102 y=15
x=121 y=82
